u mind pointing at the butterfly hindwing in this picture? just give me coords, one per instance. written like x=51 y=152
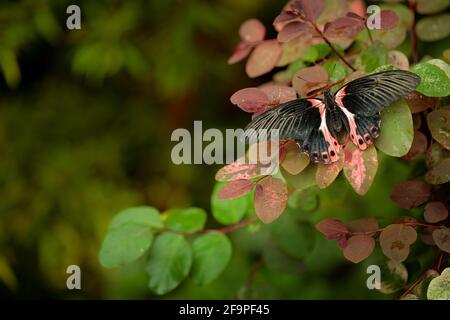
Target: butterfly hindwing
x=362 y=100
x=302 y=120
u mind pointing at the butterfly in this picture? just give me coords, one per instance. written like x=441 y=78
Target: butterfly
x=314 y=123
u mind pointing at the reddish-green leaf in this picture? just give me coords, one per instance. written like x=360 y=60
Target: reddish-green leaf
x=278 y=93
x=332 y=229
x=435 y=211
x=359 y=248
x=327 y=173
x=263 y=58
x=252 y=30
x=344 y=27
x=363 y=225
x=250 y=99
x=435 y=154
x=441 y=237
x=235 y=189
x=270 y=199
x=293 y=30
x=241 y=51
x=360 y=167
x=440 y=173
x=395 y=240
x=419 y=146
x=294 y=161
x=310 y=9
x=389 y=19
x=239 y=170
x=439 y=124
x=411 y=194
x=308 y=79
x=418 y=102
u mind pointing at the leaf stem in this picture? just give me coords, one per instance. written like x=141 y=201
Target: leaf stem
x=229 y=228
x=331 y=46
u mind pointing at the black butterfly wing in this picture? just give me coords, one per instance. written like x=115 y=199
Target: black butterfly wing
x=301 y=120
x=362 y=100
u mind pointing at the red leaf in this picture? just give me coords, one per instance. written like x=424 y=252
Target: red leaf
x=440 y=173
x=441 y=237
x=360 y=167
x=395 y=240
x=419 y=146
x=344 y=27
x=435 y=211
x=278 y=93
x=293 y=30
x=270 y=199
x=308 y=79
x=250 y=99
x=240 y=52
x=389 y=19
x=252 y=31
x=310 y=9
x=263 y=59
x=411 y=194
x=235 y=189
x=332 y=229
x=418 y=102
x=364 y=225
x=359 y=248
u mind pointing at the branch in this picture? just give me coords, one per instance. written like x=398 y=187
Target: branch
x=229 y=228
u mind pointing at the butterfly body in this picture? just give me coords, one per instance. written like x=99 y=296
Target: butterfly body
x=355 y=108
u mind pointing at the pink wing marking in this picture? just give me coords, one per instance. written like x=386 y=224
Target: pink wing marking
x=333 y=144
x=357 y=139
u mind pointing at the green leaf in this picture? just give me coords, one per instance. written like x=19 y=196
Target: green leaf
x=294 y=238
x=434 y=81
x=228 y=211
x=385 y=67
x=316 y=52
x=169 y=262
x=433 y=28
x=303 y=180
x=212 y=252
x=374 y=56
x=336 y=70
x=185 y=220
x=439 y=288
x=397 y=132
x=146 y=216
x=124 y=244
x=439 y=123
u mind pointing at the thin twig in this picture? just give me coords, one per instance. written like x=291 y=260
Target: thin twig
x=331 y=46
x=229 y=228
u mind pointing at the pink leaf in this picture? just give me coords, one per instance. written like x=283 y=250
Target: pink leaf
x=293 y=30
x=435 y=211
x=327 y=173
x=252 y=31
x=360 y=167
x=270 y=199
x=310 y=9
x=358 y=248
x=411 y=194
x=308 y=79
x=263 y=59
x=344 y=27
x=284 y=18
x=240 y=169
x=250 y=99
x=235 y=189
x=395 y=241
x=332 y=229
x=278 y=93
x=240 y=52
x=389 y=19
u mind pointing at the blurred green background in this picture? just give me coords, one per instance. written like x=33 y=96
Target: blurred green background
x=85 y=124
